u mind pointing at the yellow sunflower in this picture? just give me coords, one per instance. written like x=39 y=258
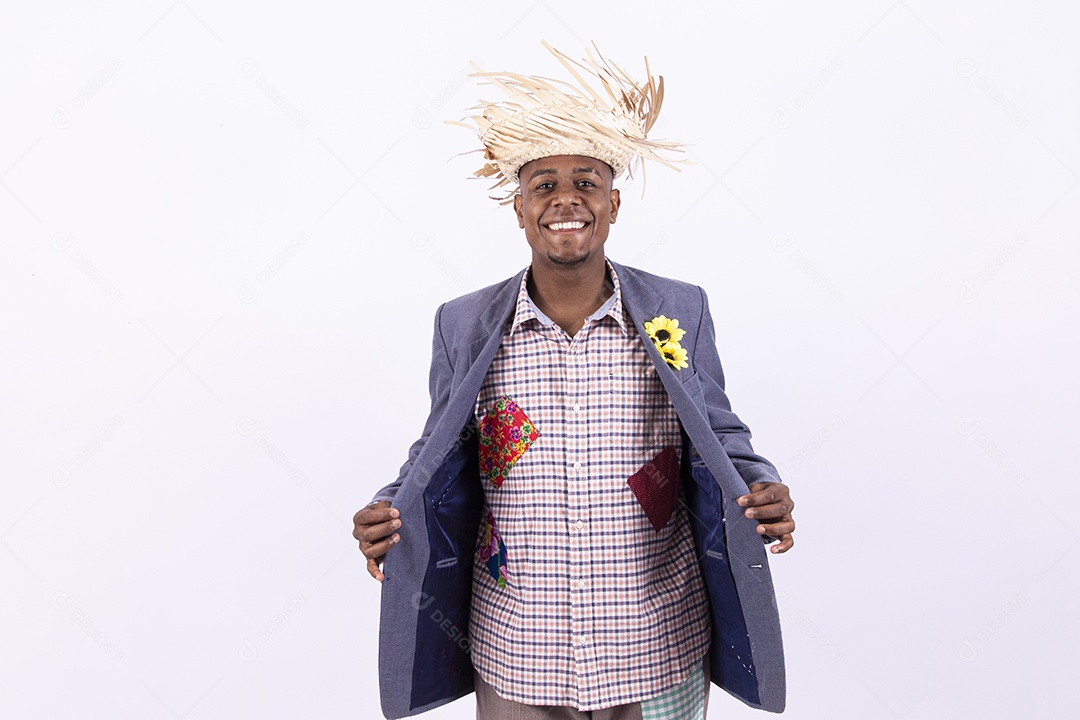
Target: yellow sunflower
x=674 y=354
x=663 y=330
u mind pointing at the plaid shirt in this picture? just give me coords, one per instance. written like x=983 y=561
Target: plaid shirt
x=577 y=599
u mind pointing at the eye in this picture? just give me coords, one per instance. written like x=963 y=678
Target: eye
x=586 y=183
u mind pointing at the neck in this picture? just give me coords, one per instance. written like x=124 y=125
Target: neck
x=568 y=295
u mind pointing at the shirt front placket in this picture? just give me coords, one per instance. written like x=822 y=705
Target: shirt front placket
x=576 y=412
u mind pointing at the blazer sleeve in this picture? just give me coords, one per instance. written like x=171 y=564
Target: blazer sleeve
x=733 y=434
x=440 y=380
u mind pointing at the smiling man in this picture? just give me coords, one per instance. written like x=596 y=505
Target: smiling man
x=578 y=532
x=566 y=207
x=577 y=228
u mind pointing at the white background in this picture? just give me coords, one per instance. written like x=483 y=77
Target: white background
x=225 y=230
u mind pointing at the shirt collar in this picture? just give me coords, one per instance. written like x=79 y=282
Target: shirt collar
x=526 y=309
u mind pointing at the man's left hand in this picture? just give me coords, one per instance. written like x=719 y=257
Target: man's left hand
x=770 y=503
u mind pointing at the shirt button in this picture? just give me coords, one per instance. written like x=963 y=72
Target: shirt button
x=581 y=583
x=577 y=407
x=582 y=640
x=579 y=525
x=577 y=465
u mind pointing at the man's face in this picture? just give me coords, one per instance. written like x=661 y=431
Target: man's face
x=566 y=206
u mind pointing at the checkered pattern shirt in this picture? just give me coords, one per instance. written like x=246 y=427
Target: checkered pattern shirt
x=598 y=608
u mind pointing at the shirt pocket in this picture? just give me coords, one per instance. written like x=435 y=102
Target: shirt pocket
x=632 y=377
x=638 y=417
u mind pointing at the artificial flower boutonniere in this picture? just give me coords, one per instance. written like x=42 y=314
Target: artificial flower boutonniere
x=666 y=334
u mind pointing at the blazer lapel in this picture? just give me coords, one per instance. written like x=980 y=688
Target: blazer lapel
x=479 y=350
x=491 y=325
x=643 y=303
x=639 y=297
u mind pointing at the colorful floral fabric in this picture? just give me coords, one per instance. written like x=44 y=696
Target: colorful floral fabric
x=493 y=551
x=505 y=434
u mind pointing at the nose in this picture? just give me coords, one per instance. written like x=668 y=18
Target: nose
x=567 y=194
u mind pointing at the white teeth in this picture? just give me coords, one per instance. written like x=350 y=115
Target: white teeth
x=567 y=225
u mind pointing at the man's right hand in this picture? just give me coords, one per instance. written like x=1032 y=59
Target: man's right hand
x=374 y=528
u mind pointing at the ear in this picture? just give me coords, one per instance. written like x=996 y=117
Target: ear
x=615 y=202
x=519 y=209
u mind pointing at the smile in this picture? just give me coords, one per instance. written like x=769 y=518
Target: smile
x=566 y=225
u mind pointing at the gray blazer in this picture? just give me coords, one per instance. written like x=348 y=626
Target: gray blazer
x=424 y=659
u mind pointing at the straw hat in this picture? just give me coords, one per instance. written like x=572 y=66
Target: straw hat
x=544 y=117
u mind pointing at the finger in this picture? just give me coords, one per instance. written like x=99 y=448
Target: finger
x=758 y=497
x=373 y=506
x=783 y=546
x=375 y=513
x=766 y=494
x=377 y=550
x=770 y=512
x=370 y=516
x=776 y=530
x=373 y=569
x=374 y=533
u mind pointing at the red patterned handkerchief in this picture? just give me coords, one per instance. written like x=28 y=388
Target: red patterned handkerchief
x=505 y=434
x=656 y=485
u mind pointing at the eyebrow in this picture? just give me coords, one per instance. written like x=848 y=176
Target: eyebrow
x=551 y=171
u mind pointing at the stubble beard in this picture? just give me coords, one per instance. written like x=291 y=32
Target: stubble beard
x=568 y=263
